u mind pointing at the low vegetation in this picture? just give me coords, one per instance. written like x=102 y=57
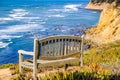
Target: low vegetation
x=101 y=63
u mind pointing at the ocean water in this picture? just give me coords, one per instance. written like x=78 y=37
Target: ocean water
x=20 y=20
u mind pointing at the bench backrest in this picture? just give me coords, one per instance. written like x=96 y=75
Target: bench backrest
x=57 y=47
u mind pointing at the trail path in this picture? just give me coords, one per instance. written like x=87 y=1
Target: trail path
x=5 y=74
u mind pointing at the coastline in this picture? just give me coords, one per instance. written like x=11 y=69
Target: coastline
x=98 y=6
x=102 y=33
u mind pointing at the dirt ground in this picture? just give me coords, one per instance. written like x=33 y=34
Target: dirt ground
x=5 y=74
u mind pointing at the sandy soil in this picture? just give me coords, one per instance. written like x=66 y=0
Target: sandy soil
x=5 y=74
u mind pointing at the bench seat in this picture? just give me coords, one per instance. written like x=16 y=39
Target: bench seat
x=29 y=63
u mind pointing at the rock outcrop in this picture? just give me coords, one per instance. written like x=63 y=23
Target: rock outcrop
x=108 y=28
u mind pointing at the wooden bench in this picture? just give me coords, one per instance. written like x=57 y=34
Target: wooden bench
x=53 y=49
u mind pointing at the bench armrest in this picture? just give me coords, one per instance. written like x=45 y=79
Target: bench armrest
x=25 y=52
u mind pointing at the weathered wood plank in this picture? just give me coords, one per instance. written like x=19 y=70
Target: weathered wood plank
x=60 y=37
x=36 y=52
x=43 y=50
x=47 y=50
x=57 y=57
x=75 y=46
x=20 y=62
x=62 y=51
x=58 y=47
x=82 y=49
x=72 y=47
x=65 y=47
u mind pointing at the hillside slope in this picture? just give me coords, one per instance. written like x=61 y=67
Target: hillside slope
x=108 y=28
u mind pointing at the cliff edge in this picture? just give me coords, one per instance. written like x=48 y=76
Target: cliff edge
x=108 y=28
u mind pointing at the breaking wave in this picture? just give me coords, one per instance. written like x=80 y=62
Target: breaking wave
x=21 y=28
x=3 y=45
x=57 y=15
x=73 y=7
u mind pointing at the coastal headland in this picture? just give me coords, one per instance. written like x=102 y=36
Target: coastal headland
x=108 y=28
x=101 y=63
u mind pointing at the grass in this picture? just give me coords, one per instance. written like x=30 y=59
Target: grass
x=94 y=58
x=6 y=66
x=103 y=54
x=86 y=73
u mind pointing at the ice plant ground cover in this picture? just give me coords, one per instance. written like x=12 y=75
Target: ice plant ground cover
x=100 y=63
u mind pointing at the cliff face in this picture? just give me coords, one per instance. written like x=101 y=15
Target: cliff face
x=108 y=28
x=117 y=2
x=101 y=4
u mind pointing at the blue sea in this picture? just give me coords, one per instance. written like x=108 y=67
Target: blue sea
x=20 y=20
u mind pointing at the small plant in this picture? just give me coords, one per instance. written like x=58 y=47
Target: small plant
x=6 y=66
x=92 y=72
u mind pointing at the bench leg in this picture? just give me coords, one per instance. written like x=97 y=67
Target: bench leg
x=34 y=75
x=66 y=66
x=35 y=68
x=20 y=62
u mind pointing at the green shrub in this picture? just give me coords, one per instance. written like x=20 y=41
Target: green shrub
x=6 y=66
x=93 y=72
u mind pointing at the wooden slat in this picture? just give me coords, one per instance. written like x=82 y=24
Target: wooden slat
x=58 y=57
x=78 y=46
x=68 y=46
x=53 y=48
x=82 y=50
x=65 y=47
x=62 y=48
x=58 y=47
x=72 y=45
x=60 y=37
x=47 y=50
x=70 y=50
x=42 y=48
x=75 y=46
x=53 y=61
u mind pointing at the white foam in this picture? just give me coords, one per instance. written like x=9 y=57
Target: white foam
x=31 y=18
x=19 y=10
x=8 y=37
x=5 y=19
x=3 y=45
x=21 y=28
x=18 y=13
x=44 y=29
x=94 y=12
x=73 y=7
x=57 y=15
x=56 y=10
